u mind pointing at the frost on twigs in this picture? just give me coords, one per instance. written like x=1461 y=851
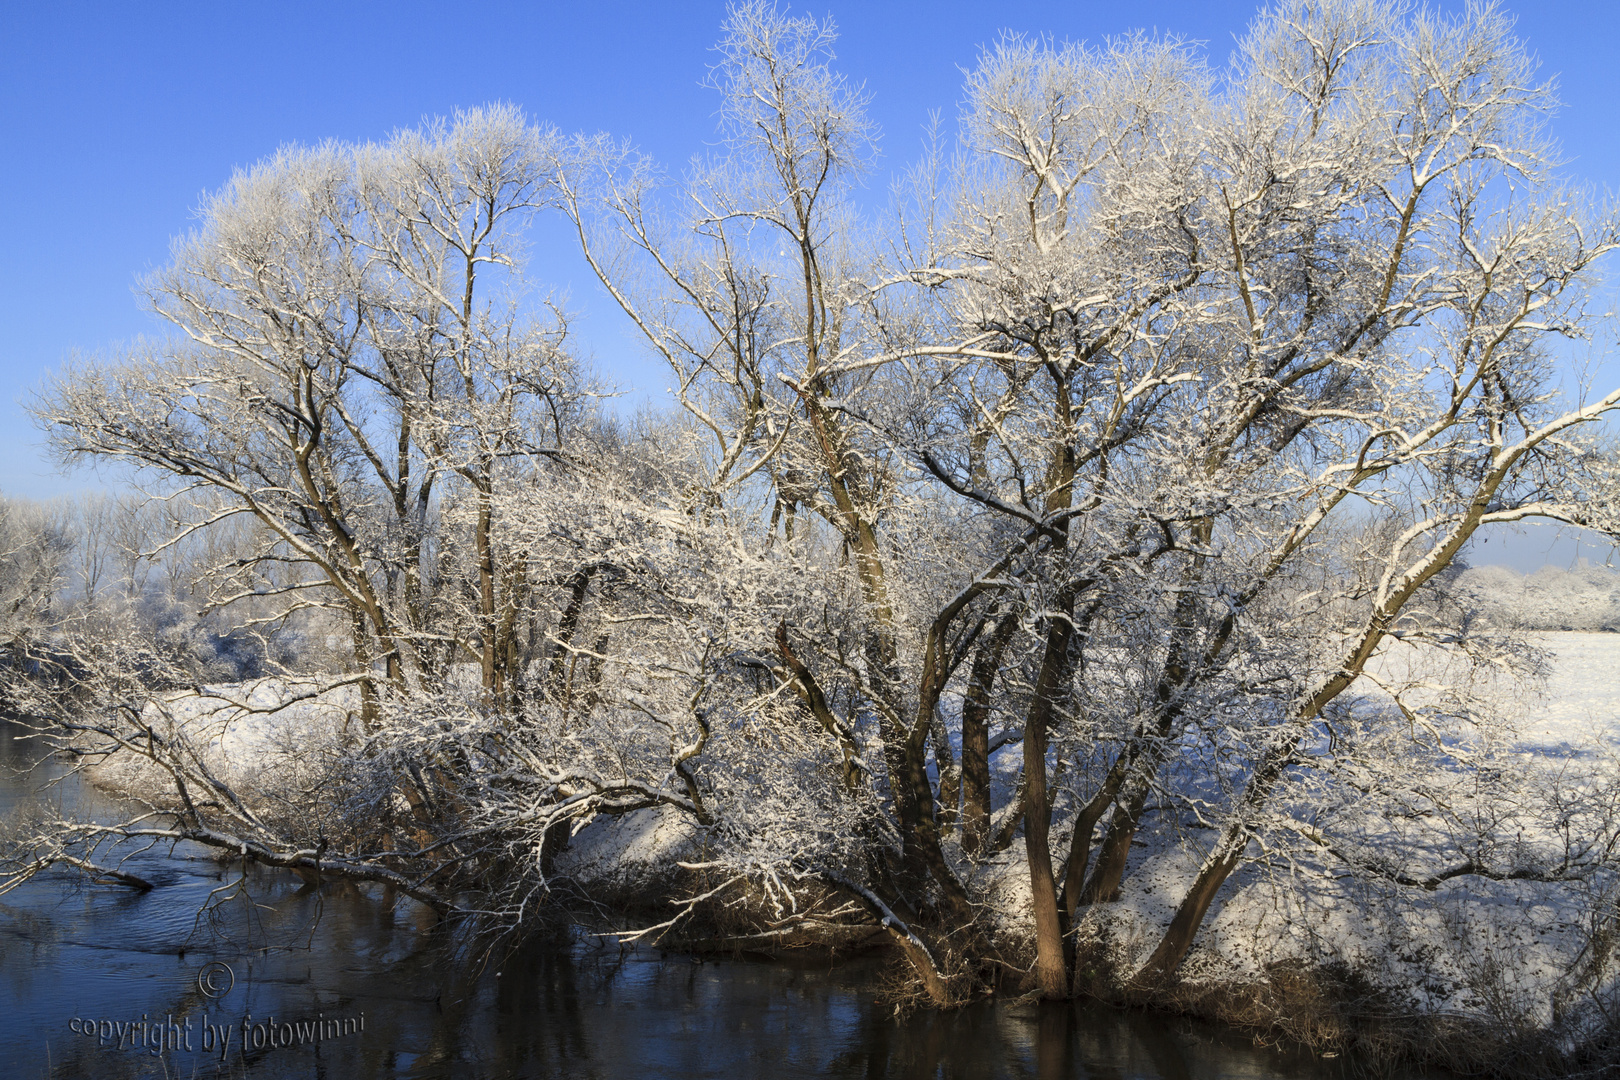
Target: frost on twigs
x=1057 y=573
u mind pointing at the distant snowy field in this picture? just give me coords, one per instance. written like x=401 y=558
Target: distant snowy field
x=1506 y=950
x=1581 y=704
x=1583 y=597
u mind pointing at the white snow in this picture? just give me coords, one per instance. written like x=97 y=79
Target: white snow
x=1502 y=949
x=1507 y=950
x=274 y=725
x=1581 y=704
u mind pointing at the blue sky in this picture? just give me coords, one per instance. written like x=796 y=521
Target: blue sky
x=117 y=117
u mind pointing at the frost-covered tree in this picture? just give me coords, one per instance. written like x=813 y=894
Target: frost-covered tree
x=1156 y=344
x=353 y=365
x=357 y=368
x=34 y=550
x=1134 y=438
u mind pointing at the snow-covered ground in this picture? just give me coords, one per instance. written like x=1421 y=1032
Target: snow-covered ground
x=1492 y=946
x=275 y=726
x=1581 y=705
x=1514 y=951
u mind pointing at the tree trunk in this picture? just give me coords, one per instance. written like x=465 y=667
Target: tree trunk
x=1080 y=843
x=950 y=774
x=488 y=617
x=1172 y=948
x=1009 y=828
x=923 y=854
x=556 y=675
x=1146 y=751
x=1228 y=851
x=1103 y=888
x=976 y=735
x=1050 y=970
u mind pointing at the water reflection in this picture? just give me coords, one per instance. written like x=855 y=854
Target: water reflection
x=303 y=957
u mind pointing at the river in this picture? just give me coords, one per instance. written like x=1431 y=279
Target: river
x=221 y=972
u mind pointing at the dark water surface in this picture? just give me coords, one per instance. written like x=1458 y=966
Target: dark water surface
x=77 y=958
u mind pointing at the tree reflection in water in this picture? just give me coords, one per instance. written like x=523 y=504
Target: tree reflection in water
x=546 y=1009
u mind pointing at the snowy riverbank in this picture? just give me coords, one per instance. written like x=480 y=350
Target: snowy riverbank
x=1414 y=919
x=1420 y=924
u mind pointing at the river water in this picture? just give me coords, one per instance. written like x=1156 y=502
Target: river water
x=276 y=980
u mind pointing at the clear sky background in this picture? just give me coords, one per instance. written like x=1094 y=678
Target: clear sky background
x=115 y=118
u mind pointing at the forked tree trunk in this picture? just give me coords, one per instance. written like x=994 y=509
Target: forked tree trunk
x=922 y=840
x=1080 y=843
x=976 y=734
x=567 y=625
x=1147 y=749
x=1103 y=887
